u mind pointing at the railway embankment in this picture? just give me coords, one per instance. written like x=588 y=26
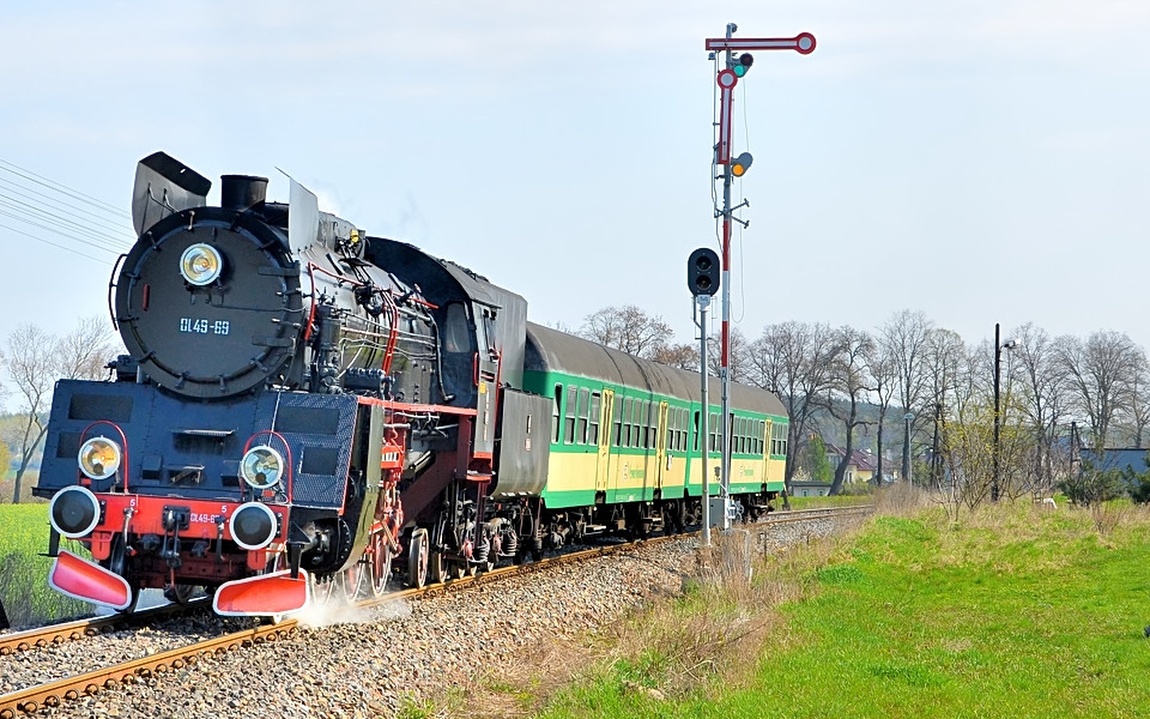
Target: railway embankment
x=1015 y=609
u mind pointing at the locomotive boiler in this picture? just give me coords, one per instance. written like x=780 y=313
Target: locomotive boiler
x=305 y=409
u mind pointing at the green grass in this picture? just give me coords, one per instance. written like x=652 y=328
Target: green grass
x=1014 y=613
x=839 y=500
x=24 y=590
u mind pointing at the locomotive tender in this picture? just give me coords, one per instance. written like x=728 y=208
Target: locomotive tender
x=303 y=405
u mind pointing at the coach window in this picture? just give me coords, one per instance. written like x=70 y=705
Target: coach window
x=593 y=437
x=695 y=444
x=654 y=425
x=572 y=397
x=631 y=432
x=638 y=423
x=778 y=439
x=626 y=419
x=581 y=430
x=556 y=424
x=618 y=421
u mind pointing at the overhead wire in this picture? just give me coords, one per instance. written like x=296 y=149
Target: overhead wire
x=74 y=222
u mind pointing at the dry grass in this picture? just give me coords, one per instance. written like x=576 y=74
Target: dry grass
x=719 y=621
x=902 y=500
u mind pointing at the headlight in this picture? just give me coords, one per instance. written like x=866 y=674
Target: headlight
x=201 y=264
x=253 y=526
x=74 y=512
x=262 y=467
x=99 y=458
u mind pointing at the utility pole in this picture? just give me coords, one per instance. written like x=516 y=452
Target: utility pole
x=734 y=68
x=996 y=447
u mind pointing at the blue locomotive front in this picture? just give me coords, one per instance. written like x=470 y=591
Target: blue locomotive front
x=249 y=440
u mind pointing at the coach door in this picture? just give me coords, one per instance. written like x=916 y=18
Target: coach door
x=602 y=469
x=661 y=446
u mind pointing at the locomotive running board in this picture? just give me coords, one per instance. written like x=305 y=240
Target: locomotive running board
x=87 y=581
x=265 y=595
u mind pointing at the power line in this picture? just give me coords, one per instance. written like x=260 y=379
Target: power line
x=5 y=165
x=103 y=223
x=70 y=218
x=49 y=242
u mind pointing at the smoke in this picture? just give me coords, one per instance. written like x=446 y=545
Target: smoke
x=338 y=610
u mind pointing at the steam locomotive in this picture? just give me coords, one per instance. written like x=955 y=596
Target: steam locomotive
x=305 y=409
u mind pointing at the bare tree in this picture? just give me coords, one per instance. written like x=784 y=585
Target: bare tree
x=904 y=339
x=794 y=361
x=739 y=359
x=1042 y=399
x=30 y=364
x=1102 y=373
x=33 y=362
x=628 y=329
x=884 y=372
x=968 y=434
x=683 y=356
x=944 y=360
x=84 y=352
x=1138 y=416
x=851 y=382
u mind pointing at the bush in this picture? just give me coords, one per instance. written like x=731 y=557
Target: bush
x=1093 y=485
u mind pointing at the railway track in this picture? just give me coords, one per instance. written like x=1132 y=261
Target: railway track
x=53 y=694
x=40 y=637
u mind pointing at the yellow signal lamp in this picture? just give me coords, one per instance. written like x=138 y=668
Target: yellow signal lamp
x=741 y=164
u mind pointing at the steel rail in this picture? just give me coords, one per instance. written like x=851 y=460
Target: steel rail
x=39 y=637
x=53 y=694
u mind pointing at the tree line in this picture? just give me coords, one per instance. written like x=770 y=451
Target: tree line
x=913 y=386
x=906 y=385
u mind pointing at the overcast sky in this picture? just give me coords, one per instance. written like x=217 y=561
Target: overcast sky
x=980 y=160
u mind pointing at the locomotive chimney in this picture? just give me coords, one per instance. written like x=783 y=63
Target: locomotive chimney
x=242 y=192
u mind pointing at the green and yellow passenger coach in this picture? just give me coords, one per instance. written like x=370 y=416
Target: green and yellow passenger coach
x=625 y=433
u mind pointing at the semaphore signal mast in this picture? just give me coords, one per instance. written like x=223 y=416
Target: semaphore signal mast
x=737 y=62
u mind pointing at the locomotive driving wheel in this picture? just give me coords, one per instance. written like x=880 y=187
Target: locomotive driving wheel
x=437 y=567
x=417 y=559
x=352 y=581
x=322 y=589
x=380 y=564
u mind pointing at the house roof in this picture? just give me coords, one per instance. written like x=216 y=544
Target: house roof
x=865 y=461
x=862 y=459
x=1135 y=459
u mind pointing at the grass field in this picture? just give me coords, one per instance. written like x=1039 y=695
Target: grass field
x=1016 y=612
x=24 y=587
